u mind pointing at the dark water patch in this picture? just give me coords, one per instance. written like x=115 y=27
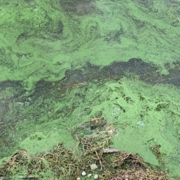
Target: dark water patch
x=147 y=72
x=28 y=1
x=78 y=7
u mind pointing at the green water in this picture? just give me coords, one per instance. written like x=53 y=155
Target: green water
x=63 y=62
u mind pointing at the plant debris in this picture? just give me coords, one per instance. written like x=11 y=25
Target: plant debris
x=94 y=139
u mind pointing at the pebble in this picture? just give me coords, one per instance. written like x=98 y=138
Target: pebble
x=83 y=173
x=95 y=176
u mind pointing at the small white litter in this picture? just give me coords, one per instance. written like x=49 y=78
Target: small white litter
x=93 y=166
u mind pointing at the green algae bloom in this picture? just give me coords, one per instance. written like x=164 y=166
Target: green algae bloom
x=64 y=63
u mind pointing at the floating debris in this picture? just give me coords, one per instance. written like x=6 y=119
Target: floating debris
x=111 y=150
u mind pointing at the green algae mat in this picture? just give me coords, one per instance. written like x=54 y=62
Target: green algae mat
x=66 y=62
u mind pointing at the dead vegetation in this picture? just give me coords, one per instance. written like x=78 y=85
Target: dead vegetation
x=93 y=138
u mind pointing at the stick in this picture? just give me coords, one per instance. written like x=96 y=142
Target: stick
x=99 y=159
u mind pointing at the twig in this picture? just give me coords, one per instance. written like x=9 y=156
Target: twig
x=99 y=159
